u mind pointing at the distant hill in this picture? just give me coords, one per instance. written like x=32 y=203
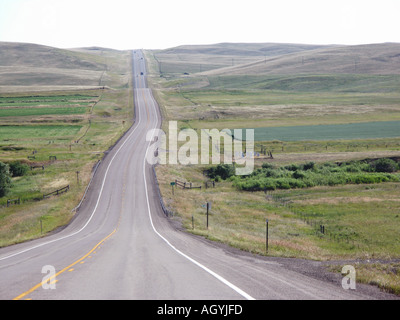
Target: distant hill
x=33 y=55
x=362 y=59
x=242 y=49
x=199 y=58
x=24 y=64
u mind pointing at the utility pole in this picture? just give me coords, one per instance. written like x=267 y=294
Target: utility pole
x=266 y=236
x=159 y=67
x=208 y=206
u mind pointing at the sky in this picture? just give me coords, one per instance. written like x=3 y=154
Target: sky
x=160 y=24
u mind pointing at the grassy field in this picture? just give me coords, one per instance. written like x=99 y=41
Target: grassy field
x=335 y=104
x=19 y=106
x=263 y=105
x=23 y=112
x=75 y=122
x=29 y=100
x=360 y=221
x=37 y=132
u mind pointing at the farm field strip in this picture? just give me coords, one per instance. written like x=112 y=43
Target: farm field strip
x=31 y=100
x=363 y=130
x=37 y=132
x=23 y=112
x=45 y=105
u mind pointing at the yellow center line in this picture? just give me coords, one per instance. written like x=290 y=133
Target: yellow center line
x=63 y=270
x=69 y=268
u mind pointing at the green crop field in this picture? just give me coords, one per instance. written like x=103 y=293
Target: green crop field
x=363 y=130
x=21 y=112
x=45 y=100
x=42 y=132
x=350 y=83
x=37 y=105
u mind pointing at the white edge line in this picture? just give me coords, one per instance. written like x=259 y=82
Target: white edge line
x=223 y=280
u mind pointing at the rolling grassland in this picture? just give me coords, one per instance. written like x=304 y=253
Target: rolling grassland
x=328 y=106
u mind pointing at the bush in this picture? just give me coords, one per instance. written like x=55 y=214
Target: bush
x=276 y=173
x=311 y=175
x=224 y=171
x=353 y=168
x=18 y=169
x=283 y=183
x=267 y=165
x=309 y=166
x=385 y=165
x=269 y=185
x=370 y=178
x=298 y=174
x=5 y=179
x=255 y=184
x=292 y=167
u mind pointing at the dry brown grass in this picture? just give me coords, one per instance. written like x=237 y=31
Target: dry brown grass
x=337 y=200
x=371 y=59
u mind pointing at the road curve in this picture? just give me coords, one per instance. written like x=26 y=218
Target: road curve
x=121 y=246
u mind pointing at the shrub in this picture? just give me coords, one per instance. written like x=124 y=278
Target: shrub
x=275 y=173
x=353 y=168
x=385 y=165
x=5 y=179
x=330 y=165
x=224 y=171
x=267 y=165
x=269 y=185
x=309 y=166
x=298 y=174
x=311 y=175
x=362 y=178
x=248 y=185
x=292 y=167
x=283 y=184
x=18 y=169
x=309 y=183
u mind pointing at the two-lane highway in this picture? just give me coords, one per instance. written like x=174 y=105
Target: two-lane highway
x=112 y=250
x=121 y=246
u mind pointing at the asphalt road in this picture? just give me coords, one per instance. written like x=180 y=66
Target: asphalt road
x=121 y=245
